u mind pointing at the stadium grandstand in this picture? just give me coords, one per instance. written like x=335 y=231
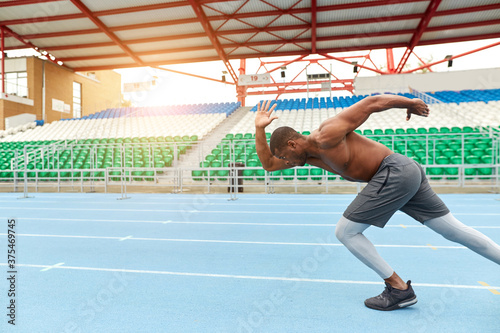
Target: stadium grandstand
x=65 y=127
x=48 y=145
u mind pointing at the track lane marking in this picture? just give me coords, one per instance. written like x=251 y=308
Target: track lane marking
x=249 y=277
x=226 y=241
x=493 y=289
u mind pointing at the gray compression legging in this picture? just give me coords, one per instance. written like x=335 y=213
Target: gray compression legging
x=351 y=235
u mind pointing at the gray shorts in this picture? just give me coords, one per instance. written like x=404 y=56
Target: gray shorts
x=399 y=184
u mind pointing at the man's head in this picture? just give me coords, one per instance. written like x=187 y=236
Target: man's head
x=285 y=145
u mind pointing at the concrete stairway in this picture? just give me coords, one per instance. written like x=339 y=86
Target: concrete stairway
x=195 y=155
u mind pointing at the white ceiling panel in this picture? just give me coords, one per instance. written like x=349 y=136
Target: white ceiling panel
x=242 y=50
x=113 y=4
x=72 y=40
x=321 y=3
x=182 y=29
x=376 y=12
x=367 y=28
x=42 y=9
x=100 y=62
x=363 y=41
x=179 y=55
x=159 y=15
x=149 y=40
x=53 y=26
x=91 y=51
x=287 y=20
x=451 y=33
x=454 y=4
x=170 y=44
x=12 y=42
x=465 y=18
x=236 y=38
x=231 y=7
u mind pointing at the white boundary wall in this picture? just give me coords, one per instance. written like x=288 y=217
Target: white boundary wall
x=457 y=80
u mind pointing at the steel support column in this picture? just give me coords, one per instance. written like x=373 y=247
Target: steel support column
x=3 y=58
x=241 y=91
x=390 y=60
x=213 y=38
x=313 y=26
x=424 y=22
x=453 y=57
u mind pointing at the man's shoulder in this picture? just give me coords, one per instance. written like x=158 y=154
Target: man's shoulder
x=328 y=136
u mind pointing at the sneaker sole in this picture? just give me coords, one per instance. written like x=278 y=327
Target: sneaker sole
x=396 y=306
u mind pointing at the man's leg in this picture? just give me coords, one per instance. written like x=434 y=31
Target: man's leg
x=398 y=294
x=454 y=230
x=351 y=235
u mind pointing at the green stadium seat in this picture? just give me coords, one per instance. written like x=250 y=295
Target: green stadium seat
x=288 y=174
x=477 y=152
x=422 y=130
x=275 y=175
x=248 y=174
x=389 y=131
x=302 y=174
x=420 y=153
x=448 y=152
x=316 y=173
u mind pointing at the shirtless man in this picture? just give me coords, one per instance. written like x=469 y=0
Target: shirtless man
x=395 y=182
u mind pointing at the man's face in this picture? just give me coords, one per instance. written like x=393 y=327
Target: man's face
x=292 y=154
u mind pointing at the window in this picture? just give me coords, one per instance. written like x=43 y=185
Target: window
x=16 y=84
x=77 y=100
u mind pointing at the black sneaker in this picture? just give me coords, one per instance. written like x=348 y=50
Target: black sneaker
x=392 y=299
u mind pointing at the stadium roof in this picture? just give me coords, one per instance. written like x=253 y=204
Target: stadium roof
x=88 y=35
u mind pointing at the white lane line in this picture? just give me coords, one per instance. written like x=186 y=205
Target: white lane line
x=228 y=241
x=251 y=277
x=226 y=223
x=209 y=211
x=211 y=197
x=188 y=203
x=171 y=210
x=208 y=203
x=51 y=267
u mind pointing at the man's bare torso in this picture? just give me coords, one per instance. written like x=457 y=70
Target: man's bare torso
x=355 y=157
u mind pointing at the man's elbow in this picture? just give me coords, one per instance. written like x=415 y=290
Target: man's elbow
x=268 y=168
x=376 y=103
x=375 y=99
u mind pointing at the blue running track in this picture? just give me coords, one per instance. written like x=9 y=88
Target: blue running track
x=262 y=263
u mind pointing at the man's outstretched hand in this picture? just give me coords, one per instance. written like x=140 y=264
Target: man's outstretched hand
x=263 y=115
x=419 y=108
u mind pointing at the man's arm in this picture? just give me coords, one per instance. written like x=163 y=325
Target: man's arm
x=262 y=120
x=335 y=129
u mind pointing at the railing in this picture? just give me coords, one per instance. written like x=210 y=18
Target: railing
x=215 y=179
x=179 y=180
